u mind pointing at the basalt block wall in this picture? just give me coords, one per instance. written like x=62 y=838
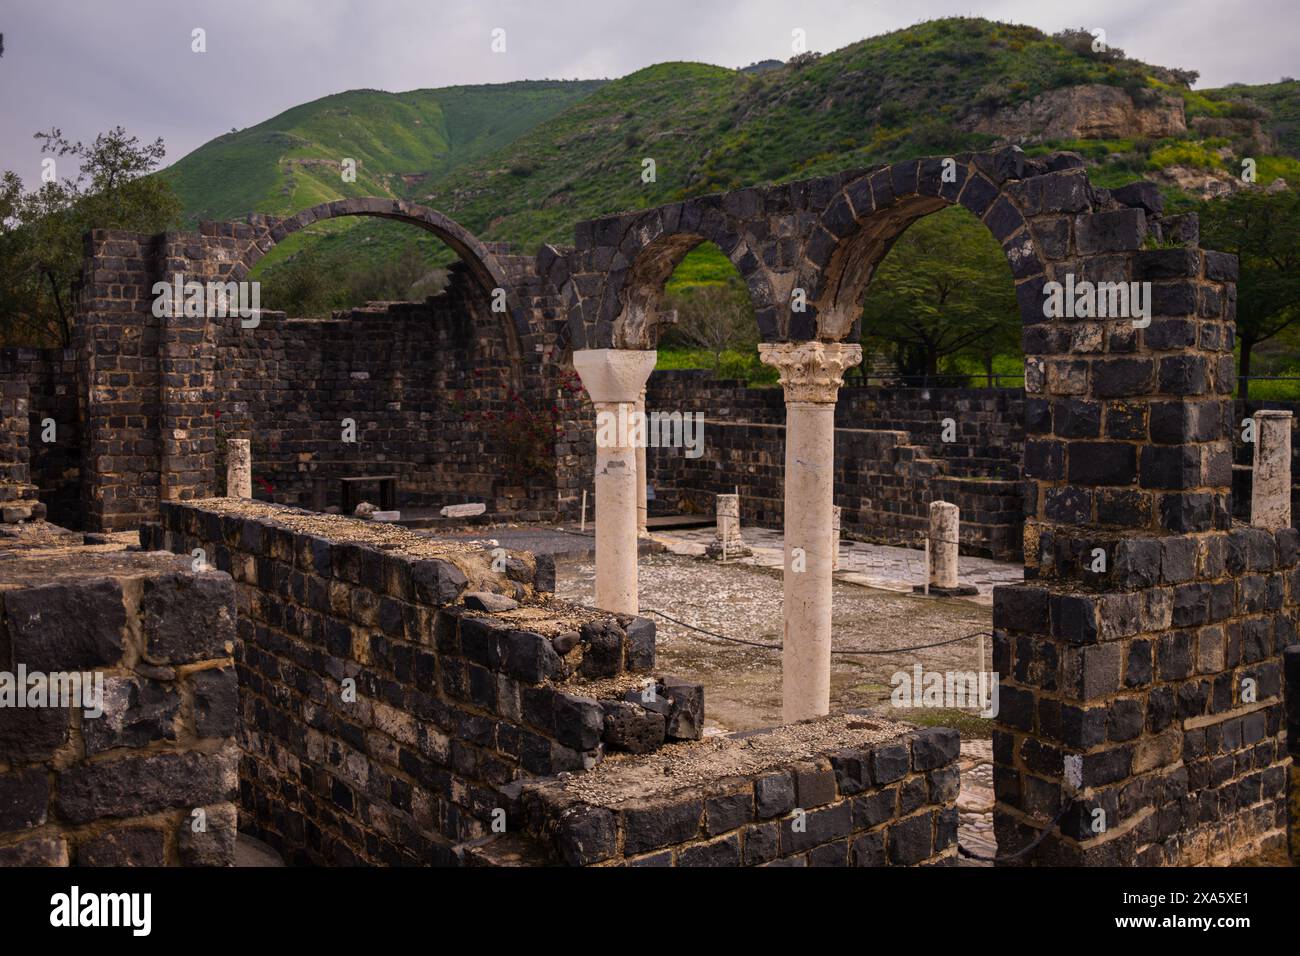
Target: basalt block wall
x=151 y=780
x=1141 y=716
x=1157 y=700
x=450 y=706
x=891 y=459
x=157 y=388
x=42 y=385
x=891 y=804
x=427 y=386
x=1291 y=668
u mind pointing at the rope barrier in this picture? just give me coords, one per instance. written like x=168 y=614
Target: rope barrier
x=777 y=647
x=969 y=854
x=1008 y=857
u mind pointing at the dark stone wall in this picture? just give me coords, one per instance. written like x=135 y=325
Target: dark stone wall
x=151 y=781
x=450 y=705
x=428 y=385
x=890 y=458
x=887 y=804
x=1291 y=668
x=46 y=381
x=465 y=725
x=1164 y=687
x=116 y=337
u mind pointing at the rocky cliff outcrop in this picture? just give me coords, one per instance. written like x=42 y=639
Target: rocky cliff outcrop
x=1093 y=111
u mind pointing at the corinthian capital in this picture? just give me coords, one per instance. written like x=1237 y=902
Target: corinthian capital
x=811 y=371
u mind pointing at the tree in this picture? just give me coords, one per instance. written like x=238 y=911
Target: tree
x=41 y=232
x=715 y=317
x=943 y=288
x=1263 y=230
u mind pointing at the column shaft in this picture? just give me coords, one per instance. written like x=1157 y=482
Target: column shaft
x=1270 y=489
x=616 y=516
x=642 y=476
x=614 y=378
x=811 y=374
x=809 y=488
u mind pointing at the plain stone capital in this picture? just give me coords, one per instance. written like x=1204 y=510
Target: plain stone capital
x=811 y=371
x=614 y=375
x=1272 y=413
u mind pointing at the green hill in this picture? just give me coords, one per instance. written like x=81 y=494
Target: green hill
x=398 y=140
x=522 y=162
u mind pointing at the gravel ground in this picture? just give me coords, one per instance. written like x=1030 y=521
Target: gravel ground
x=743 y=684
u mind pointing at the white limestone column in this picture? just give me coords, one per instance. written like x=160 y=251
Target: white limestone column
x=1270 y=489
x=239 y=468
x=614 y=378
x=944 y=544
x=811 y=374
x=836 y=513
x=642 y=504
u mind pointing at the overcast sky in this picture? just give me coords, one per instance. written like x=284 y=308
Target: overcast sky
x=87 y=66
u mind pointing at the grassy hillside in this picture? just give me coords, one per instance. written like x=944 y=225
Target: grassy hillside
x=522 y=162
x=399 y=141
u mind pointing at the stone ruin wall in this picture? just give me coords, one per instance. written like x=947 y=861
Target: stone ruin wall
x=37 y=385
x=1151 y=690
x=461 y=715
x=152 y=781
x=428 y=385
x=1128 y=443
x=890 y=459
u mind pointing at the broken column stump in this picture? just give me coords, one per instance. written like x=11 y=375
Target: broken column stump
x=727 y=541
x=945 y=524
x=239 y=468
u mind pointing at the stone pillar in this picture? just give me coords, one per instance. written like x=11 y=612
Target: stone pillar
x=944 y=545
x=642 y=504
x=1270 y=492
x=614 y=378
x=811 y=374
x=835 y=537
x=239 y=468
x=944 y=530
x=727 y=541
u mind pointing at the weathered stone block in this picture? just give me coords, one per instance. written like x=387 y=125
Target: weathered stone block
x=651 y=824
x=188 y=616
x=685 y=709
x=127 y=846
x=631 y=727
x=137 y=711
x=935 y=747
x=214 y=843
x=23 y=798
x=136 y=786
x=216 y=701
x=65 y=627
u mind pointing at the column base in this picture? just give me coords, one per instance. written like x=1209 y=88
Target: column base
x=714 y=550
x=961 y=590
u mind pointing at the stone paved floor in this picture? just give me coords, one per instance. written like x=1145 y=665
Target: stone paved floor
x=975 y=801
x=874 y=565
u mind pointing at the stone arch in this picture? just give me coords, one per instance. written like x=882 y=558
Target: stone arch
x=649 y=246
x=867 y=215
x=481 y=261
